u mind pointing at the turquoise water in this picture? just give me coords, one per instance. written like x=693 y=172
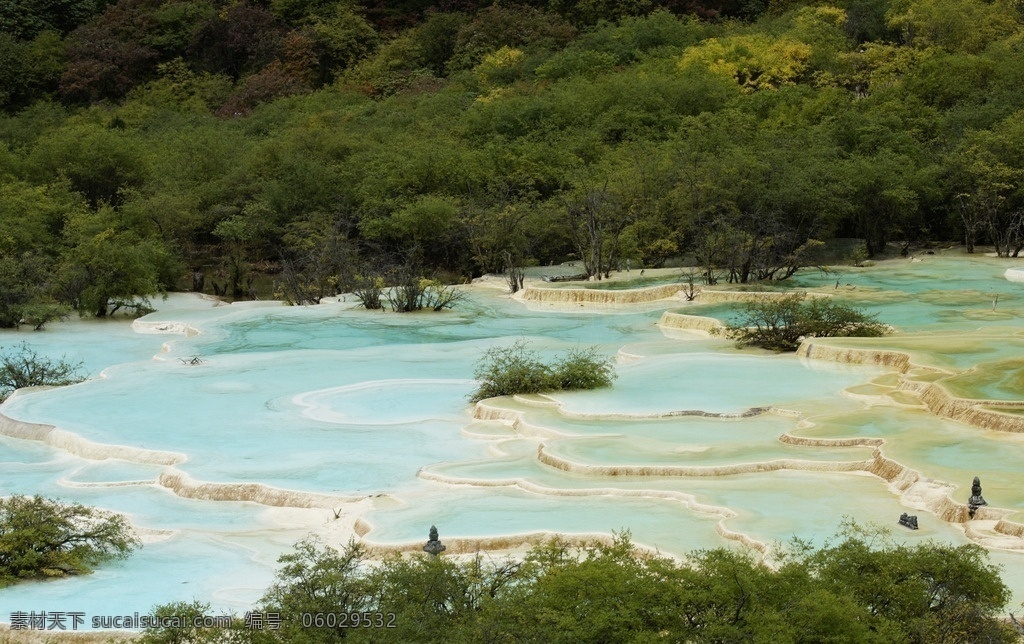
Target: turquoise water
x=333 y=409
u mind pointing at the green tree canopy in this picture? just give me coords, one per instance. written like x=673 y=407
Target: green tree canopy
x=41 y=537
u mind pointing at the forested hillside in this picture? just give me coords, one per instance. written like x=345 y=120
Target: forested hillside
x=307 y=147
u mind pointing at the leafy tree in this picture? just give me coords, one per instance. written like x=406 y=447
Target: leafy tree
x=496 y=230
x=436 y=39
x=590 y=12
x=928 y=593
x=961 y=25
x=242 y=235
x=341 y=40
x=294 y=73
x=175 y=24
x=238 y=41
x=634 y=38
x=182 y=619
x=429 y=223
x=757 y=208
x=780 y=323
x=107 y=269
x=857 y=588
x=317 y=579
x=755 y=62
x=514 y=26
x=28 y=18
x=369 y=290
x=179 y=86
x=99 y=162
x=429 y=595
x=575 y=62
x=41 y=537
x=26 y=282
x=108 y=56
x=39 y=313
x=883 y=185
x=29 y=69
x=31 y=216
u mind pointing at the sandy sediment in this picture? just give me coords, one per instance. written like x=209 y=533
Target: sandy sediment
x=740 y=537
x=185 y=486
x=708 y=296
x=502 y=543
x=513 y=419
x=462 y=546
x=936 y=398
x=613 y=297
x=812 y=348
x=687 y=500
x=913 y=489
x=987 y=533
x=172 y=479
x=622 y=356
x=522 y=542
x=927 y=494
x=805 y=441
x=98 y=484
x=690 y=322
x=1010 y=528
x=484 y=411
x=82 y=447
x=470 y=545
x=941 y=402
x=567 y=465
x=934 y=496
x=162 y=327
x=598 y=296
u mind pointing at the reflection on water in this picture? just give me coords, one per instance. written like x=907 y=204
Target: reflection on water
x=335 y=420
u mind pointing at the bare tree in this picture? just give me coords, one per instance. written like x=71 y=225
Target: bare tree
x=596 y=221
x=315 y=265
x=690 y=290
x=514 y=274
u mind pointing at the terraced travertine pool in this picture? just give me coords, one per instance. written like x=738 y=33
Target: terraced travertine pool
x=339 y=421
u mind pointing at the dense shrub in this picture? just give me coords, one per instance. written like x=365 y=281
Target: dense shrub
x=40 y=537
x=582 y=368
x=781 y=323
x=504 y=371
x=860 y=588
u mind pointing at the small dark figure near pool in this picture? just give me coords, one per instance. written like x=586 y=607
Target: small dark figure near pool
x=909 y=520
x=976 y=500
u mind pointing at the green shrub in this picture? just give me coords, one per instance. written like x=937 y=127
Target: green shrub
x=582 y=369
x=781 y=323
x=41 y=537
x=860 y=587
x=505 y=371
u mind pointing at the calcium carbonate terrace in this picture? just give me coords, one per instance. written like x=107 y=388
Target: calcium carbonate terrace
x=342 y=422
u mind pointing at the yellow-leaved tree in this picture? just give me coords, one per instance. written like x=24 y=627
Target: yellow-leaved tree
x=755 y=61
